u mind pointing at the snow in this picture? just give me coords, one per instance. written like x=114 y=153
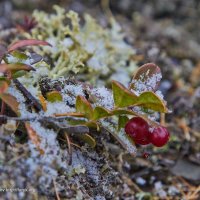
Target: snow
x=148 y=84
x=140 y=181
x=104 y=97
x=67 y=42
x=70 y=92
x=58 y=108
x=159 y=189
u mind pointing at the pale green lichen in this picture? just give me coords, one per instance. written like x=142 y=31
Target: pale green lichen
x=89 y=50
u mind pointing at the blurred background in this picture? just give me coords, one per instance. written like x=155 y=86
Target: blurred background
x=165 y=32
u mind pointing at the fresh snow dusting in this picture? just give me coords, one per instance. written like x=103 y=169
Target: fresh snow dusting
x=148 y=84
x=70 y=92
x=104 y=97
x=21 y=100
x=58 y=107
x=121 y=135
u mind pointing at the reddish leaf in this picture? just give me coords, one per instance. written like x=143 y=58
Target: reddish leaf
x=145 y=72
x=34 y=137
x=3 y=86
x=9 y=68
x=148 y=69
x=11 y=102
x=28 y=42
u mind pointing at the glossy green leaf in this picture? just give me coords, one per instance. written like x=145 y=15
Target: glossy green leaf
x=122 y=121
x=54 y=96
x=151 y=101
x=83 y=106
x=122 y=96
x=100 y=112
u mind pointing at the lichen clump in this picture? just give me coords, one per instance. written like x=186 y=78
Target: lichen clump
x=89 y=50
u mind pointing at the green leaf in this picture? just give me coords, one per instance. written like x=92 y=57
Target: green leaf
x=100 y=112
x=122 y=96
x=122 y=121
x=151 y=101
x=3 y=86
x=123 y=112
x=88 y=139
x=11 y=101
x=93 y=125
x=130 y=112
x=18 y=74
x=53 y=96
x=83 y=106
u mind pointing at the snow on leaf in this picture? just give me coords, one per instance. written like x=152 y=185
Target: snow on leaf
x=148 y=70
x=83 y=106
x=122 y=96
x=28 y=42
x=147 y=77
x=121 y=137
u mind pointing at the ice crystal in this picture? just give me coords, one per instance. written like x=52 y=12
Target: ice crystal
x=104 y=97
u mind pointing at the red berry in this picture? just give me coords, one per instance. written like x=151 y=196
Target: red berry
x=138 y=129
x=145 y=155
x=144 y=141
x=159 y=136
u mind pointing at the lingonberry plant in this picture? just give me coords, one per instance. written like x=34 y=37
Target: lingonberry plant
x=138 y=129
x=75 y=107
x=142 y=134
x=159 y=136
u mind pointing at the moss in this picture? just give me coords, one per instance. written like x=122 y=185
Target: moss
x=90 y=51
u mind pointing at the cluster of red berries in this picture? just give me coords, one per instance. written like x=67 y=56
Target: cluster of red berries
x=139 y=130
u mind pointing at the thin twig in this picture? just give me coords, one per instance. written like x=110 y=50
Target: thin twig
x=35 y=103
x=69 y=148
x=57 y=195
